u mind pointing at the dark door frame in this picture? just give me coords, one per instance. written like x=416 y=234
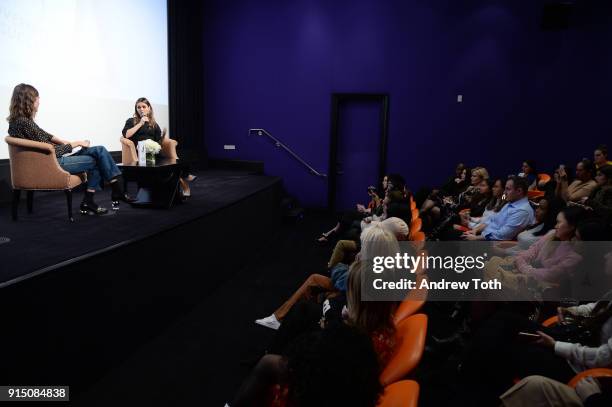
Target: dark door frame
x=337 y=100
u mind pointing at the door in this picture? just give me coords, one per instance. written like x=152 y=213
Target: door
x=358 y=147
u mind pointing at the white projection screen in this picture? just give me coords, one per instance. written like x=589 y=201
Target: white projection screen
x=89 y=59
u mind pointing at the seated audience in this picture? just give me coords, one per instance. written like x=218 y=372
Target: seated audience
x=600 y=156
x=391 y=182
x=545 y=217
x=378 y=237
x=528 y=171
x=332 y=367
x=600 y=200
x=582 y=186
x=431 y=207
x=375 y=318
x=497 y=354
x=515 y=216
x=95 y=160
x=548 y=261
x=493 y=206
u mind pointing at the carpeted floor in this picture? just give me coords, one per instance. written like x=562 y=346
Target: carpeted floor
x=46 y=238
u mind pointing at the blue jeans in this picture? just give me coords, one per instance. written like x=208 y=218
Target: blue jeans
x=96 y=160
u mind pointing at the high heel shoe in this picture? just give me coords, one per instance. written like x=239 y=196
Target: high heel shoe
x=91 y=208
x=125 y=197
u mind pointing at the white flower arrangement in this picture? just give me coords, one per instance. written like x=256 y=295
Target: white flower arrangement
x=151 y=147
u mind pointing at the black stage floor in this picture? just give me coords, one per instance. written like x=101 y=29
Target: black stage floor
x=45 y=240
x=78 y=299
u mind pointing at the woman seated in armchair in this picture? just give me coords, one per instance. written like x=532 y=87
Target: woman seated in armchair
x=95 y=160
x=143 y=126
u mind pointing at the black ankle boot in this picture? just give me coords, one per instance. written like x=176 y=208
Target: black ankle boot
x=88 y=206
x=118 y=194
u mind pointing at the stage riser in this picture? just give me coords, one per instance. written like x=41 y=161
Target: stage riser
x=71 y=325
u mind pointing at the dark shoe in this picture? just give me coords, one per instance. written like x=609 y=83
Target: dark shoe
x=88 y=206
x=91 y=208
x=125 y=197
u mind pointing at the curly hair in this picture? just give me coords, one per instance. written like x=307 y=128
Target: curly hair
x=333 y=367
x=137 y=117
x=22 y=102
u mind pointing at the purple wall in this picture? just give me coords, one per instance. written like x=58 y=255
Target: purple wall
x=527 y=93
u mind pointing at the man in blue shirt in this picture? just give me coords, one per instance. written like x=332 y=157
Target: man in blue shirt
x=515 y=216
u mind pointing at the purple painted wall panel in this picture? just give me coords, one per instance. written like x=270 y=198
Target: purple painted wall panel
x=527 y=93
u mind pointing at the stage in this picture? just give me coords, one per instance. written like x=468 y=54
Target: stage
x=78 y=298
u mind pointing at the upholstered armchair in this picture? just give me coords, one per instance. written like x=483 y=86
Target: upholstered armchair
x=168 y=150
x=34 y=167
x=128 y=149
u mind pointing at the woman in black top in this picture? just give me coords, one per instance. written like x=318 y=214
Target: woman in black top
x=95 y=160
x=143 y=126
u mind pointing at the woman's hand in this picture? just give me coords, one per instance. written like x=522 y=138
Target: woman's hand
x=143 y=120
x=80 y=143
x=561 y=314
x=545 y=340
x=562 y=173
x=361 y=208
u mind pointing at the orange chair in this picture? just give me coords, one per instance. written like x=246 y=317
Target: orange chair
x=404 y=393
x=418 y=237
x=410 y=336
x=543 y=179
x=412 y=205
x=415 y=226
x=551 y=321
x=597 y=372
x=418 y=240
x=415 y=213
x=413 y=302
x=535 y=194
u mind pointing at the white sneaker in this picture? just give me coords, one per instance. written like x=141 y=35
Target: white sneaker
x=269 y=322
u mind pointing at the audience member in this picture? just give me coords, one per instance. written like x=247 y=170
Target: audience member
x=600 y=156
x=515 y=216
x=582 y=186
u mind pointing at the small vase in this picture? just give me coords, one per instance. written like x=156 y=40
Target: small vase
x=150 y=158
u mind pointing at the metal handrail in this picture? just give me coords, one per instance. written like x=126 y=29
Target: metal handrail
x=262 y=132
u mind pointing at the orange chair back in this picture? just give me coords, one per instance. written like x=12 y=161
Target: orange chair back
x=415 y=213
x=535 y=194
x=410 y=338
x=412 y=303
x=419 y=237
x=415 y=226
x=543 y=178
x=597 y=372
x=551 y=321
x=412 y=205
x=404 y=393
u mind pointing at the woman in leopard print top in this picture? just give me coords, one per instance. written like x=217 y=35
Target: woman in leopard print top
x=95 y=160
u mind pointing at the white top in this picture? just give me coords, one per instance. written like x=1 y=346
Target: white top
x=580 y=357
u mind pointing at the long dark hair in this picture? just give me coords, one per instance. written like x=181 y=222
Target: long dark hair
x=555 y=205
x=137 y=116
x=495 y=204
x=22 y=102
